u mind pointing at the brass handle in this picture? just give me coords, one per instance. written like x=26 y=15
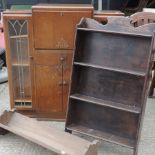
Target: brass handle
x=61 y=13
x=60 y=83
x=65 y=83
x=62 y=59
x=31 y=57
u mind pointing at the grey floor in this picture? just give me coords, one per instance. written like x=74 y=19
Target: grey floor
x=11 y=144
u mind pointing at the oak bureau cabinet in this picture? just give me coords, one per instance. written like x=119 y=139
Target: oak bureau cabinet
x=54 y=31
x=40 y=55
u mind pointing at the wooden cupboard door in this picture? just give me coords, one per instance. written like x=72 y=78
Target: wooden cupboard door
x=56 y=29
x=52 y=79
x=67 y=67
x=48 y=88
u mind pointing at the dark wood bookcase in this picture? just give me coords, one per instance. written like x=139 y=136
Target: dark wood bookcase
x=110 y=81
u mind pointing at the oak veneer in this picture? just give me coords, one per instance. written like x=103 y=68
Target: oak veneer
x=61 y=21
x=48 y=137
x=54 y=32
x=45 y=65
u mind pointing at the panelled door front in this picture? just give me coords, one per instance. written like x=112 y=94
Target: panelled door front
x=49 y=82
x=56 y=29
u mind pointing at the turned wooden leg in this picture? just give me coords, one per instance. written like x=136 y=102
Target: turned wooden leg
x=3 y=131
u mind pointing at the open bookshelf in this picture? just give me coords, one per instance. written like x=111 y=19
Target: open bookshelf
x=110 y=79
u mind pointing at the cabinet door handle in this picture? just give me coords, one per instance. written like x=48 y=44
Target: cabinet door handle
x=60 y=83
x=62 y=58
x=31 y=57
x=65 y=83
x=61 y=14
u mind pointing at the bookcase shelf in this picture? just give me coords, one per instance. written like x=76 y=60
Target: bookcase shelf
x=116 y=87
x=115 y=105
x=103 y=122
x=109 y=68
x=102 y=135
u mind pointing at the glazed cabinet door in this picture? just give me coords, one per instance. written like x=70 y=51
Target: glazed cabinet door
x=56 y=29
x=18 y=51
